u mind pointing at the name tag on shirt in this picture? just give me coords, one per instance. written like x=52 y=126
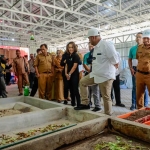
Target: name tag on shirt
x=99 y=53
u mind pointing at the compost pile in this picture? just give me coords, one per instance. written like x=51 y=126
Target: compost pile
x=119 y=144
x=138 y=114
x=107 y=141
x=9 y=112
x=6 y=139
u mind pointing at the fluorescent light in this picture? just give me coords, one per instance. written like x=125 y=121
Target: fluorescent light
x=12 y=39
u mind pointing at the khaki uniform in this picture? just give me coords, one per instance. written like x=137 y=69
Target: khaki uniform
x=58 y=90
x=45 y=69
x=143 y=74
x=19 y=68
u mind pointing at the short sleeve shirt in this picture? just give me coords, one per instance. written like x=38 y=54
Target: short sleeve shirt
x=43 y=63
x=132 y=53
x=74 y=58
x=86 y=56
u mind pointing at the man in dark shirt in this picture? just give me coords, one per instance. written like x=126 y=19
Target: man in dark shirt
x=35 y=83
x=2 y=81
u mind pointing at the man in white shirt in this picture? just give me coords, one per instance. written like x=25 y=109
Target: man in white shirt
x=105 y=62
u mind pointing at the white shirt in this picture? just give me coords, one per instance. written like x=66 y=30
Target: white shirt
x=134 y=62
x=103 y=68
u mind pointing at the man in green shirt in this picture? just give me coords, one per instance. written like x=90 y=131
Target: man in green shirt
x=132 y=61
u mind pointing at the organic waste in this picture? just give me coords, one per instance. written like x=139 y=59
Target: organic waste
x=119 y=144
x=6 y=139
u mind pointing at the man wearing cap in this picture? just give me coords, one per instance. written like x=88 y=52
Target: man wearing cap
x=132 y=61
x=143 y=69
x=104 y=64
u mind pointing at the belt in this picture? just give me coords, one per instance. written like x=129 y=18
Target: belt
x=47 y=72
x=143 y=72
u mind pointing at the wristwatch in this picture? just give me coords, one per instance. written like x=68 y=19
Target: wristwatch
x=69 y=74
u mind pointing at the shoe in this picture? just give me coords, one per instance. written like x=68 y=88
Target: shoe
x=59 y=101
x=132 y=108
x=120 y=105
x=20 y=94
x=73 y=104
x=82 y=107
x=4 y=95
x=65 y=102
x=91 y=104
x=97 y=109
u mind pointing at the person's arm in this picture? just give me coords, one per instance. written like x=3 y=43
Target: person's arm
x=28 y=66
x=35 y=66
x=130 y=62
x=73 y=69
x=15 y=67
x=112 y=54
x=37 y=72
x=66 y=72
x=86 y=68
x=75 y=65
x=63 y=60
x=85 y=64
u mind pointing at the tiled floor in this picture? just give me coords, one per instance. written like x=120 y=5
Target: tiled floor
x=125 y=98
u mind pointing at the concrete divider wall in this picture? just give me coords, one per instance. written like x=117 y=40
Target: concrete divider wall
x=131 y=128
x=11 y=100
x=67 y=136
x=20 y=121
x=82 y=116
x=40 y=103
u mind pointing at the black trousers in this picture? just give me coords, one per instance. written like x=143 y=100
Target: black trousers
x=116 y=88
x=34 y=87
x=31 y=79
x=8 y=76
x=66 y=87
x=74 y=89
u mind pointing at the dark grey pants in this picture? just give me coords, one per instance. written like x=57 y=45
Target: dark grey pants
x=94 y=90
x=2 y=87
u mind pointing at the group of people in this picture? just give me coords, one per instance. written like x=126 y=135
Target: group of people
x=57 y=76
x=139 y=64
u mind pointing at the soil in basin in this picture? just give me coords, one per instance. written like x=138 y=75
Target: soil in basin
x=108 y=141
x=9 y=112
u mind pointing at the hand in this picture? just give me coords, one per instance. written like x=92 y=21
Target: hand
x=132 y=71
x=65 y=61
x=116 y=65
x=37 y=75
x=68 y=77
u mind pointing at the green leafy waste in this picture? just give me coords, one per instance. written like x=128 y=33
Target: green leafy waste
x=119 y=144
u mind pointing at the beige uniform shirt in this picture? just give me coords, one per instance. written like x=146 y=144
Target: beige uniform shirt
x=143 y=57
x=44 y=63
x=19 y=65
